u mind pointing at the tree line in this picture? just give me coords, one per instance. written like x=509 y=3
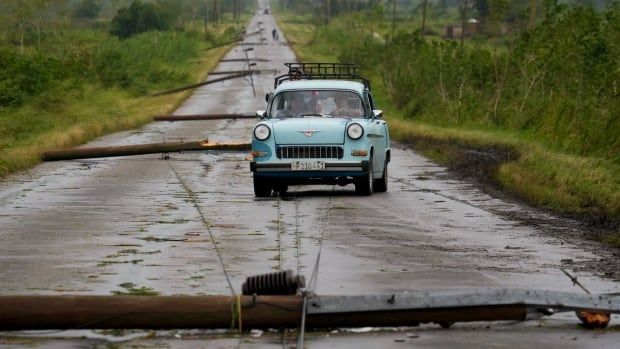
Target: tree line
x=28 y=22
x=525 y=10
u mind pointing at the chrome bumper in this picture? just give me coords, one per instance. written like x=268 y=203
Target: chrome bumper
x=330 y=166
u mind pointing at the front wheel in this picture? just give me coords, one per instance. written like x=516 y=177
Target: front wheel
x=262 y=187
x=364 y=184
x=380 y=185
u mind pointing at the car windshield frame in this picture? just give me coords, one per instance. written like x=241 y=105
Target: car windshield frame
x=329 y=103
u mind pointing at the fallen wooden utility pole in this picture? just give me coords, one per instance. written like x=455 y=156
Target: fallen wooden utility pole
x=220 y=312
x=243 y=60
x=164 y=312
x=223 y=44
x=210 y=312
x=189 y=87
x=255 y=32
x=138 y=149
x=202 y=117
x=240 y=71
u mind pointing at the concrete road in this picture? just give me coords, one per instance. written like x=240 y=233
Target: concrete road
x=106 y=225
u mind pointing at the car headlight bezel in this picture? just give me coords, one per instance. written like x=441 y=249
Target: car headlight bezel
x=262 y=132
x=355 y=131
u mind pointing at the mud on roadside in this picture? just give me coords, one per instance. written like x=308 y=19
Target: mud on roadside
x=479 y=165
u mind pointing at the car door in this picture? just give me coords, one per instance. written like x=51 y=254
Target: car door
x=377 y=136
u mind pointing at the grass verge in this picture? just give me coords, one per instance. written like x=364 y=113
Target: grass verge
x=578 y=186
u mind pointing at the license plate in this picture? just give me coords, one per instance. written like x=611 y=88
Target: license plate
x=307 y=165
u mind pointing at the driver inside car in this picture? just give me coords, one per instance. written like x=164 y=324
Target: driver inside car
x=295 y=107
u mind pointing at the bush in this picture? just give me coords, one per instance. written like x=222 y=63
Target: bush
x=87 y=9
x=138 y=18
x=22 y=76
x=143 y=62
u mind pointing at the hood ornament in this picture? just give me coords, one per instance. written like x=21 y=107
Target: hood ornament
x=309 y=133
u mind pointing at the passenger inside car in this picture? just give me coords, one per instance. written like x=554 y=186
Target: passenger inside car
x=347 y=106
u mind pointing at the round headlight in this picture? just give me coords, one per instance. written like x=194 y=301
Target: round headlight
x=262 y=132
x=355 y=131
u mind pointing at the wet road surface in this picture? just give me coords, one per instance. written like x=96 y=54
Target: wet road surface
x=90 y=226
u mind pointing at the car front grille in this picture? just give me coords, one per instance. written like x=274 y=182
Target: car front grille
x=309 y=152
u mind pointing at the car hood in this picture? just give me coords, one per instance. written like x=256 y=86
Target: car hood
x=309 y=130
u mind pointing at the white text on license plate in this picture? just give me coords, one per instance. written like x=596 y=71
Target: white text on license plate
x=307 y=165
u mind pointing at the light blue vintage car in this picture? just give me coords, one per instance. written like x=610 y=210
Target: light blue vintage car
x=320 y=127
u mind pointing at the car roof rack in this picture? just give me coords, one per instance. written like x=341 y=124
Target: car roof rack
x=324 y=71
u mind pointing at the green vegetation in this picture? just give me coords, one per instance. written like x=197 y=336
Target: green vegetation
x=548 y=94
x=87 y=9
x=131 y=289
x=139 y=18
x=64 y=81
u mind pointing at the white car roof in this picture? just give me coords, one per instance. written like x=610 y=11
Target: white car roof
x=321 y=85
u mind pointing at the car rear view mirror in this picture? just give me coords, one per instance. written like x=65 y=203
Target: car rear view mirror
x=377 y=113
x=261 y=114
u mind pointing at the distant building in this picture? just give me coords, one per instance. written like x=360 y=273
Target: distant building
x=453 y=31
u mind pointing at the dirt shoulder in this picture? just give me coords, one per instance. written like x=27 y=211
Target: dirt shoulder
x=481 y=165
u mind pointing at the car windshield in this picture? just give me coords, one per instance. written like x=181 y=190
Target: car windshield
x=323 y=103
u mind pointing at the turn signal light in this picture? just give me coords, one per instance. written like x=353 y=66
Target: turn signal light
x=258 y=154
x=359 y=152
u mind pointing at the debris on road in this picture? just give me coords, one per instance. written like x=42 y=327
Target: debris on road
x=260 y=71
x=139 y=149
x=191 y=86
x=256 y=333
x=202 y=117
x=243 y=60
x=223 y=44
x=591 y=319
x=275 y=311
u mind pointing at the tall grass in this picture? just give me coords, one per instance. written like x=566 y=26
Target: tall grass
x=83 y=84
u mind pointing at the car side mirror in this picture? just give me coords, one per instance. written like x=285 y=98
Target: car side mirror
x=268 y=96
x=261 y=114
x=378 y=113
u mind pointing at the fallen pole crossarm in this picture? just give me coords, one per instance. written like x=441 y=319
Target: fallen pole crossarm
x=199 y=84
x=453 y=306
x=193 y=117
